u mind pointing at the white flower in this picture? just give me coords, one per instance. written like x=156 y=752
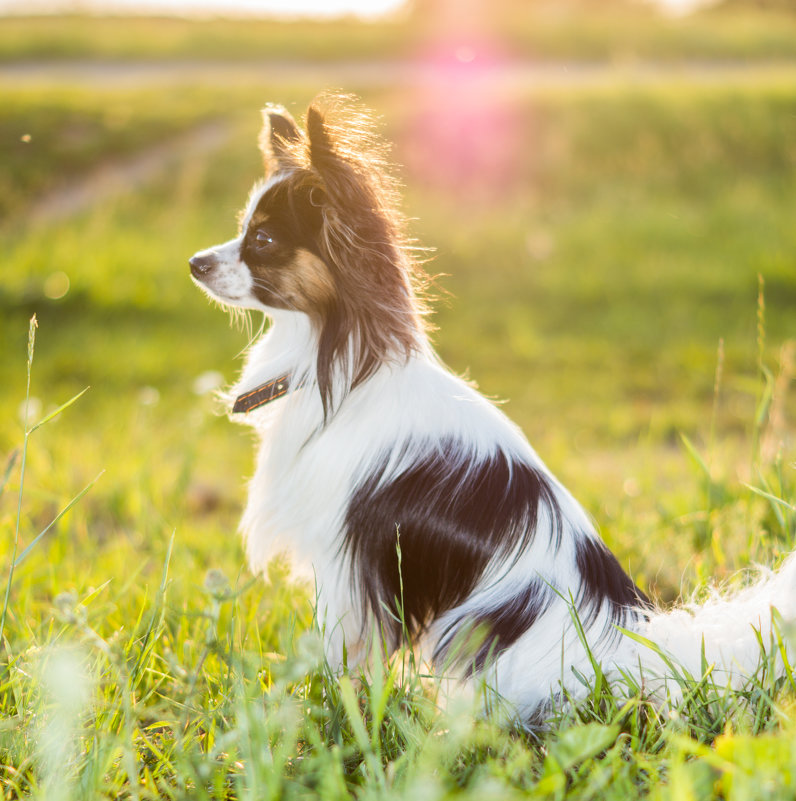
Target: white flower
x=148 y=396
x=207 y=382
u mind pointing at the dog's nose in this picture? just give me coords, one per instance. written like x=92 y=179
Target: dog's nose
x=201 y=265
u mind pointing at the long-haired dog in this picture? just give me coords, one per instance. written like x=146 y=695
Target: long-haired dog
x=422 y=510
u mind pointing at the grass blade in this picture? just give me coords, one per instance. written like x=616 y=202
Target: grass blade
x=12 y=460
x=695 y=455
x=157 y=613
x=769 y=497
x=359 y=729
x=56 y=519
x=58 y=411
x=32 y=326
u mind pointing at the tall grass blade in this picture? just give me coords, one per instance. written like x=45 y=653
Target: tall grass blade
x=157 y=614
x=714 y=414
x=56 y=519
x=695 y=455
x=58 y=411
x=33 y=325
x=773 y=499
x=766 y=394
x=359 y=729
x=12 y=460
x=702 y=537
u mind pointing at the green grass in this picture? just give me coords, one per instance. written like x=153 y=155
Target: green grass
x=78 y=36
x=590 y=283
x=575 y=30
x=48 y=139
x=126 y=657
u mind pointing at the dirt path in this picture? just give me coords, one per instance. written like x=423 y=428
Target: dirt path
x=115 y=178
x=355 y=75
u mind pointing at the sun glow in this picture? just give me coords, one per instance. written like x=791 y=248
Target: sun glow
x=464 y=133
x=197 y=8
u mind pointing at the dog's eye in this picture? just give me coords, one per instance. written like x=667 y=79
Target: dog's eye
x=263 y=239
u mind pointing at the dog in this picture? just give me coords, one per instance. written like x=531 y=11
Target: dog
x=423 y=512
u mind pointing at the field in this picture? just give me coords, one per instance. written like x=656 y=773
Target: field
x=569 y=29
x=617 y=263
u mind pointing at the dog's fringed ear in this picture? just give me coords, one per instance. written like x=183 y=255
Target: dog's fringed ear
x=277 y=138
x=321 y=147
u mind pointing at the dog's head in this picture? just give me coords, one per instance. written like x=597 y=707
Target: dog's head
x=321 y=235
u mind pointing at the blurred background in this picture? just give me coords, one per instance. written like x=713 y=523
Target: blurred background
x=608 y=186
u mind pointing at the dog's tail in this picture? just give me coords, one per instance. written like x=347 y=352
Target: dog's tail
x=724 y=633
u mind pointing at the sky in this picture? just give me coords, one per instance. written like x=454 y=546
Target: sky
x=314 y=8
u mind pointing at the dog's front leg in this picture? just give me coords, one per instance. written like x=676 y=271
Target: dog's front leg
x=340 y=623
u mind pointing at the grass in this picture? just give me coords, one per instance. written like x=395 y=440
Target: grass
x=218 y=689
x=573 y=30
x=72 y=131
x=591 y=278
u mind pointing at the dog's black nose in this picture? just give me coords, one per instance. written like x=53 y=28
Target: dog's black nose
x=201 y=265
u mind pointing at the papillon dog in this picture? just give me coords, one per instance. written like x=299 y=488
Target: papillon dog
x=422 y=511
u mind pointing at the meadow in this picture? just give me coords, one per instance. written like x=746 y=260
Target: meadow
x=620 y=270
x=568 y=29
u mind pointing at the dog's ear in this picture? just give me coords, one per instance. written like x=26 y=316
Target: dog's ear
x=277 y=139
x=321 y=146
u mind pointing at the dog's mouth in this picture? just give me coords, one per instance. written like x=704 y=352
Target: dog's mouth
x=205 y=282
x=222 y=297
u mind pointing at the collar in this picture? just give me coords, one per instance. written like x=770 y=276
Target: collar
x=262 y=394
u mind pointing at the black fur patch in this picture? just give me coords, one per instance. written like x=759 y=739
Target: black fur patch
x=604 y=582
x=286 y=215
x=504 y=625
x=455 y=516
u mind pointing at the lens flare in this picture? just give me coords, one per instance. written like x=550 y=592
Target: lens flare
x=464 y=134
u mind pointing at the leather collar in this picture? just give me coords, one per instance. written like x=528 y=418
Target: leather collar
x=262 y=394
